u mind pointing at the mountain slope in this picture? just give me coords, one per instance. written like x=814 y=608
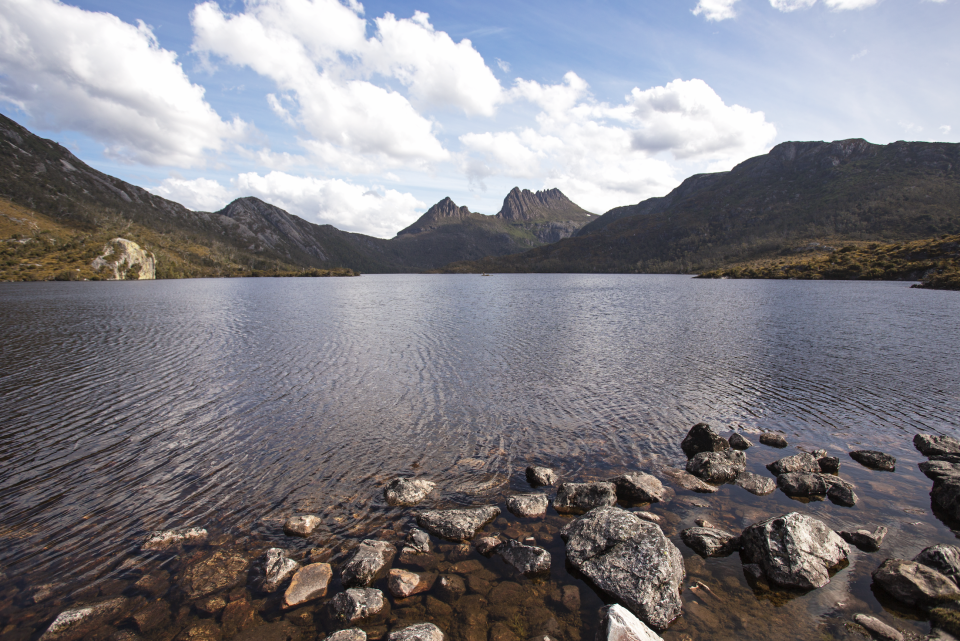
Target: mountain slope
x=797 y=193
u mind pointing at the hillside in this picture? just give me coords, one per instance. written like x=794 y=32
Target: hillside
x=799 y=192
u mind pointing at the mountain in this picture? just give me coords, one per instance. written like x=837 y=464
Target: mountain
x=798 y=193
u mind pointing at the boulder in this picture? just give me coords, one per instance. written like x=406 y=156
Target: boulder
x=80 y=621
x=630 y=560
x=351 y=634
x=709 y=541
x=638 y=487
x=275 y=568
x=301 y=525
x=457 y=525
x=527 y=559
x=403 y=583
x=793 y=550
x=619 y=624
x=934 y=445
x=802 y=462
x=840 y=491
x=773 y=439
x=369 y=561
x=418 y=540
x=945 y=498
x=310 y=582
x=806 y=484
x=418 y=632
x=739 y=442
x=877 y=628
x=914 y=583
x=528 y=505
x=702 y=438
x=874 y=460
x=166 y=539
x=756 y=484
x=356 y=604
x=940 y=470
x=577 y=498
x=829 y=464
x=864 y=539
x=406 y=492
x=943 y=558
x=718 y=467
x=537 y=476
x=688 y=481
x=212 y=573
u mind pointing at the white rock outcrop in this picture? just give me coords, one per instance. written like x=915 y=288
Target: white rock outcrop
x=120 y=256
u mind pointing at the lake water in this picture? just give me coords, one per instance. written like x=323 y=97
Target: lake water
x=232 y=404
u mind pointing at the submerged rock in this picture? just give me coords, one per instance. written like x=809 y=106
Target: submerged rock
x=773 y=439
x=802 y=462
x=418 y=632
x=943 y=558
x=217 y=571
x=756 y=484
x=934 y=445
x=310 y=582
x=78 y=622
x=718 y=467
x=457 y=525
x=739 y=442
x=914 y=583
x=638 y=487
x=688 y=481
x=486 y=545
x=275 y=568
x=577 y=498
x=356 y=604
x=166 y=539
x=537 y=476
x=709 y=541
x=368 y=562
x=301 y=524
x=403 y=583
x=630 y=560
x=418 y=540
x=877 y=628
x=406 y=492
x=527 y=559
x=874 y=460
x=864 y=539
x=619 y=624
x=649 y=516
x=451 y=587
x=793 y=550
x=528 y=505
x=702 y=438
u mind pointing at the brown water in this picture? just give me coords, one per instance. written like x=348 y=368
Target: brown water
x=232 y=404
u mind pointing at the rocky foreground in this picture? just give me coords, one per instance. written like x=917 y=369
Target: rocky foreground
x=432 y=587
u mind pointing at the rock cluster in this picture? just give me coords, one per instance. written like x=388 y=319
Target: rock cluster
x=943 y=467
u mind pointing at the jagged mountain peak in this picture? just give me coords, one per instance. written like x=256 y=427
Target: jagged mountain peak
x=548 y=204
x=445 y=210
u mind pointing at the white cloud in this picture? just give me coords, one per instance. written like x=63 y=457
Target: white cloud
x=836 y=5
x=504 y=65
x=791 y=5
x=715 y=9
x=91 y=72
x=909 y=127
x=842 y=5
x=945 y=129
x=199 y=194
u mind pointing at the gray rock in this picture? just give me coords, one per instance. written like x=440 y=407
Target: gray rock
x=802 y=462
x=840 y=491
x=406 y=492
x=940 y=470
x=451 y=587
x=718 y=467
x=537 y=476
x=457 y=525
x=619 y=624
x=418 y=632
x=369 y=561
x=914 y=583
x=702 y=438
x=275 y=568
x=945 y=497
x=527 y=559
x=403 y=583
x=649 y=516
x=877 y=628
x=688 y=481
x=808 y=484
x=756 y=484
x=418 y=540
x=943 y=558
x=351 y=634
x=934 y=445
x=874 y=460
x=356 y=604
x=708 y=541
x=864 y=539
x=773 y=439
x=166 y=539
x=638 y=487
x=577 y=498
x=829 y=464
x=793 y=550
x=310 y=582
x=528 y=505
x=301 y=524
x=78 y=622
x=212 y=573
x=739 y=442
x=630 y=560
x=486 y=545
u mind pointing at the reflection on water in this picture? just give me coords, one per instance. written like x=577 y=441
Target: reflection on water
x=131 y=407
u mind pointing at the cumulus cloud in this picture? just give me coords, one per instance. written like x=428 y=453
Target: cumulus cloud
x=91 y=72
x=792 y=5
x=841 y=5
x=199 y=194
x=836 y=5
x=945 y=129
x=604 y=155
x=715 y=10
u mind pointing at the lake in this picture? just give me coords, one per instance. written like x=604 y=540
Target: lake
x=232 y=404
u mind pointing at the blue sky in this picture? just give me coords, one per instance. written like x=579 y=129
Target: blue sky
x=363 y=115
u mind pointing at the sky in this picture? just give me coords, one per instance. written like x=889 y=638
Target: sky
x=364 y=115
